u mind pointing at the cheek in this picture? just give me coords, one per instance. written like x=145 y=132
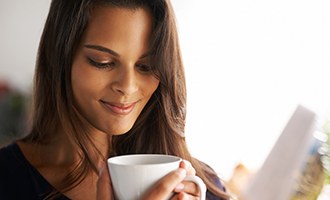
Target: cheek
x=75 y=80
x=79 y=81
x=84 y=87
x=84 y=80
x=151 y=85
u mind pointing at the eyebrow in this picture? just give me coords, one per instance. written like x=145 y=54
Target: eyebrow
x=110 y=51
x=103 y=49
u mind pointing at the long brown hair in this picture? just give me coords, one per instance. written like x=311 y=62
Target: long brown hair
x=160 y=126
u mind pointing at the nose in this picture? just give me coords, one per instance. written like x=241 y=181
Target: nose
x=125 y=80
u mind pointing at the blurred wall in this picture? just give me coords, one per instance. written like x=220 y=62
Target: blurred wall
x=21 y=25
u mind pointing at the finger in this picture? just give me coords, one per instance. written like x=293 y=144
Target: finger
x=104 y=189
x=183 y=196
x=164 y=187
x=188 y=187
x=180 y=196
x=191 y=188
x=185 y=164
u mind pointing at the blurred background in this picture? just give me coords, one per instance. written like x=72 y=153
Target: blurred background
x=21 y=25
x=249 y=63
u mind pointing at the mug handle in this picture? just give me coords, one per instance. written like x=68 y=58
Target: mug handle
x=199 y=182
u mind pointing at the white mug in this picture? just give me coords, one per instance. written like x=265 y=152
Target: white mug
x=132 y=175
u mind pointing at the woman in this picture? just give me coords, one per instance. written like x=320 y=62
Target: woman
x=109 y=81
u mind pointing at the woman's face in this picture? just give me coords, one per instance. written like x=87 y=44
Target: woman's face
x=111 y=76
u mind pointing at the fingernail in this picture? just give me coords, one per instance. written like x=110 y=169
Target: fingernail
x=179 y=187
x=182 y=172
x=187 y=164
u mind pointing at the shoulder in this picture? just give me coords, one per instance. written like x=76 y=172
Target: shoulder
x=7 y=158
x=15 y=180
x=19 y=179
x=8 y=174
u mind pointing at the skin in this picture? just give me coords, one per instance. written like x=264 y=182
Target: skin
x=111 y=84
x=121 y=41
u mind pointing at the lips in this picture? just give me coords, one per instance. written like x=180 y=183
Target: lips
x=119 y=108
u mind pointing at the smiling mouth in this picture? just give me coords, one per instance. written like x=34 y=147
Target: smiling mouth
x=120 y=109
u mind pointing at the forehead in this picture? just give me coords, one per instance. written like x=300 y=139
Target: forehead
x=110 y=20
x=124 y=30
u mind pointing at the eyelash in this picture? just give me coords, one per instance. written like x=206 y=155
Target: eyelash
x=101 y=65
x=142 y=67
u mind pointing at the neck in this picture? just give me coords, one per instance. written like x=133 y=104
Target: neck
x=59 y=158
x=61 y=151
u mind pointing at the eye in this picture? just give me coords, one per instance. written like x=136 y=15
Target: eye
x=144 y=68
x=101 y=65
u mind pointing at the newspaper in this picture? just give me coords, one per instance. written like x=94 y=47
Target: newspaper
x=293 y=168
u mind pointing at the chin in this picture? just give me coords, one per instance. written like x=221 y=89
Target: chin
x=119 y=131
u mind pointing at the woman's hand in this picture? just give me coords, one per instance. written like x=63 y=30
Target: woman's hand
x=173 y=183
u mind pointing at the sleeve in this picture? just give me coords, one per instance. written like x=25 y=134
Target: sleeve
x=217 y=181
